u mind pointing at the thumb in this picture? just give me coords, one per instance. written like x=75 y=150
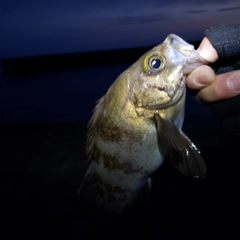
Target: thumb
x=207 y=51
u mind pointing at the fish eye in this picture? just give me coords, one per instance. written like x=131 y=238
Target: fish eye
x=153 y=63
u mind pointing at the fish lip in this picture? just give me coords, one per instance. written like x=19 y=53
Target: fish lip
x=179 y=92
x=177 y=96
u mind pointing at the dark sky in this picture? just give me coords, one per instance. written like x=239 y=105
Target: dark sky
x=43 y=27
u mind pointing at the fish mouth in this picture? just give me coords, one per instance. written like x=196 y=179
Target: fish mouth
x=175 y=95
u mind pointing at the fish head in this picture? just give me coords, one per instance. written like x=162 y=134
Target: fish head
x=161 y=73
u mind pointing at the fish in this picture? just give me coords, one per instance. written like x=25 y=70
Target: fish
x=137 y=125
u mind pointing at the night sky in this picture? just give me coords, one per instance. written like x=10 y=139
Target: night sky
x=44 y=27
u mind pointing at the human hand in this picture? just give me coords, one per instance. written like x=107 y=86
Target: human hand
x=210 y=87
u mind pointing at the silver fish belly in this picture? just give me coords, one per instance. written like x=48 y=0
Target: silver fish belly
x=137 y=124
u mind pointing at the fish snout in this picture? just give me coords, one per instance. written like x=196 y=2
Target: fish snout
x=182 y=53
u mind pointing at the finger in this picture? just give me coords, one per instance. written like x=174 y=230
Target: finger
x=207 y=51
x=225 y=86
x=201 y=77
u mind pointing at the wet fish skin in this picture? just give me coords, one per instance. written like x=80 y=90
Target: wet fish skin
x=127 y=139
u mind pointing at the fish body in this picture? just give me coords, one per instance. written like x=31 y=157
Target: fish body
x=136 y=125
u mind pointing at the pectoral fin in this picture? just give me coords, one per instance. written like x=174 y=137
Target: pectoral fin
x=184 y=154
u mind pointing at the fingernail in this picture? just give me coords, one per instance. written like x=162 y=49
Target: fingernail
x=204 y=53
x=207 y=51
x=234 y=82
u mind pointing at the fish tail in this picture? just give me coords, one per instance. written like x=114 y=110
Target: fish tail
x=93 y=200
x=90 y=192
x=141 y=199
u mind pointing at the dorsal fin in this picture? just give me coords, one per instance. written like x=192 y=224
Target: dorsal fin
x=92 y=126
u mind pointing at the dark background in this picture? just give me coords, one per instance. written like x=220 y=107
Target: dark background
x=44 y=115
x=57 y=60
